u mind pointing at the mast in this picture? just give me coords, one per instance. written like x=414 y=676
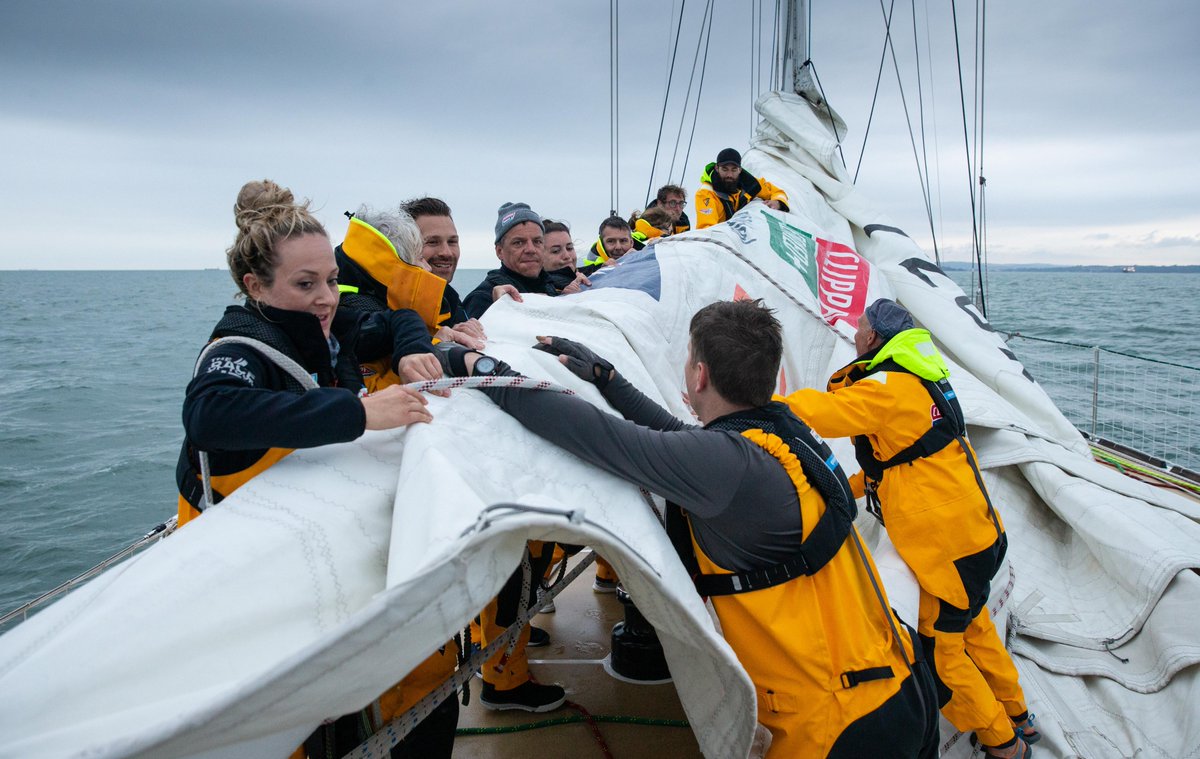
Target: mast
x=795 y=73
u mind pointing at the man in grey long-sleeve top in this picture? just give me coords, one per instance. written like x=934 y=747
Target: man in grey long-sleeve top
x=768 y=532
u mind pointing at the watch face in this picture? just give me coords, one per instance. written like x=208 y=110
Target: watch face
x=484 y=365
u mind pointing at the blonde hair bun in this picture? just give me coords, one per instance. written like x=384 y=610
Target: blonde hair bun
x=266 y=214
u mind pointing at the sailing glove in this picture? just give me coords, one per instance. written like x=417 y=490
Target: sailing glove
x=582 y=362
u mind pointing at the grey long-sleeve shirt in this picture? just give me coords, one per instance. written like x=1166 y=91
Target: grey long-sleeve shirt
x=743 y=506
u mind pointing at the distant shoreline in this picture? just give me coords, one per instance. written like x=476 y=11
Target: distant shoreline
x=1088 y=268
x=947 y=266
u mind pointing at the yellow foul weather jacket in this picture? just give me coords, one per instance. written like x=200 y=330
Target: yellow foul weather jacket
x=713 y=207
x=933 y=508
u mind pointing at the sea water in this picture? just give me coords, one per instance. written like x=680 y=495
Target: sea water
x=93 y=366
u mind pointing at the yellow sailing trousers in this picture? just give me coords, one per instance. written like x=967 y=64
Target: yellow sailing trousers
x=509 y=669
x=604 y=570
x=976 y=680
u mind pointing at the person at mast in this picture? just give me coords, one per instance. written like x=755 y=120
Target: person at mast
x=725 y=187
x=673 y=199
x=764 y=521
x=615 y=240
x=921 y=474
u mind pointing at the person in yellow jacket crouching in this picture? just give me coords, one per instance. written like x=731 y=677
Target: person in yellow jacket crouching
x=922 y=476
x=725 y=187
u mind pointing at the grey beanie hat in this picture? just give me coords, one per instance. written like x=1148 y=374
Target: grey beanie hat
x=512 y=214
x=888 y=318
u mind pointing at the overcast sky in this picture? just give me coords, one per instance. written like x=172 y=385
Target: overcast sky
x=127 y=127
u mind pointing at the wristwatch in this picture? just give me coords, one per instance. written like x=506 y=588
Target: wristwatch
x=484 y=366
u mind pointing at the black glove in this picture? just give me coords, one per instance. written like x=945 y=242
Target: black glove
x=582 y=362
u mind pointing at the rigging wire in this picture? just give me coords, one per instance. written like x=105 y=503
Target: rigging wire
x=755 y=7
x=962 y=98
x=937 y=256
x=907 y=118
x=888 y=15
x=688 y=96
x=874 y=100
x=612 y=133
x=983 y=252
x=937 y=161
x=759 y=62
x=662 y=119
x=699 y=92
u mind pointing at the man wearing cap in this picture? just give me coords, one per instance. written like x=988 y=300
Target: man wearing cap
x=921 y=476
x=519 y=242
x=725 y=187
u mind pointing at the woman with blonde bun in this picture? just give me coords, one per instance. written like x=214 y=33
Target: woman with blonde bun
x=280 y=371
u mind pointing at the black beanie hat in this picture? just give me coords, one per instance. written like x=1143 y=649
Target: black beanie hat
x=729 y=155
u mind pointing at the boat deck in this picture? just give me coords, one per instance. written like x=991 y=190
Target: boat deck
x=580 y=631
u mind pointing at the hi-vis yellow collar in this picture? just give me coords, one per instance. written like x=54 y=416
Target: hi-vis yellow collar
x=408 y=286
x=647 y=232
x=371 y=250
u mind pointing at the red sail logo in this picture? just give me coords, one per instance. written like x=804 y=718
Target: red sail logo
x=836 y=275
x=842 y=282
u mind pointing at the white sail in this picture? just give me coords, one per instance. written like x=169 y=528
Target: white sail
x=324 y=580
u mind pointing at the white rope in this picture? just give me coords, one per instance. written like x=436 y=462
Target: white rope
x=453 y=383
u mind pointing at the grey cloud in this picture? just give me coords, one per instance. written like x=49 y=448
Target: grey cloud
x=1154 y=240
x=131 y=109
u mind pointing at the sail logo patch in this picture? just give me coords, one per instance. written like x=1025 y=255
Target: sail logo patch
x=836 y=275
x=231 y=366
x=935 y=413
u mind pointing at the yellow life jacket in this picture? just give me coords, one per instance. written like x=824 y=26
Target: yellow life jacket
x=225 y=484
x=819 y=648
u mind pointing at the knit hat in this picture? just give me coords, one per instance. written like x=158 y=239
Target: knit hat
x=729 y=155
x=512 y=214
x=888 y=318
